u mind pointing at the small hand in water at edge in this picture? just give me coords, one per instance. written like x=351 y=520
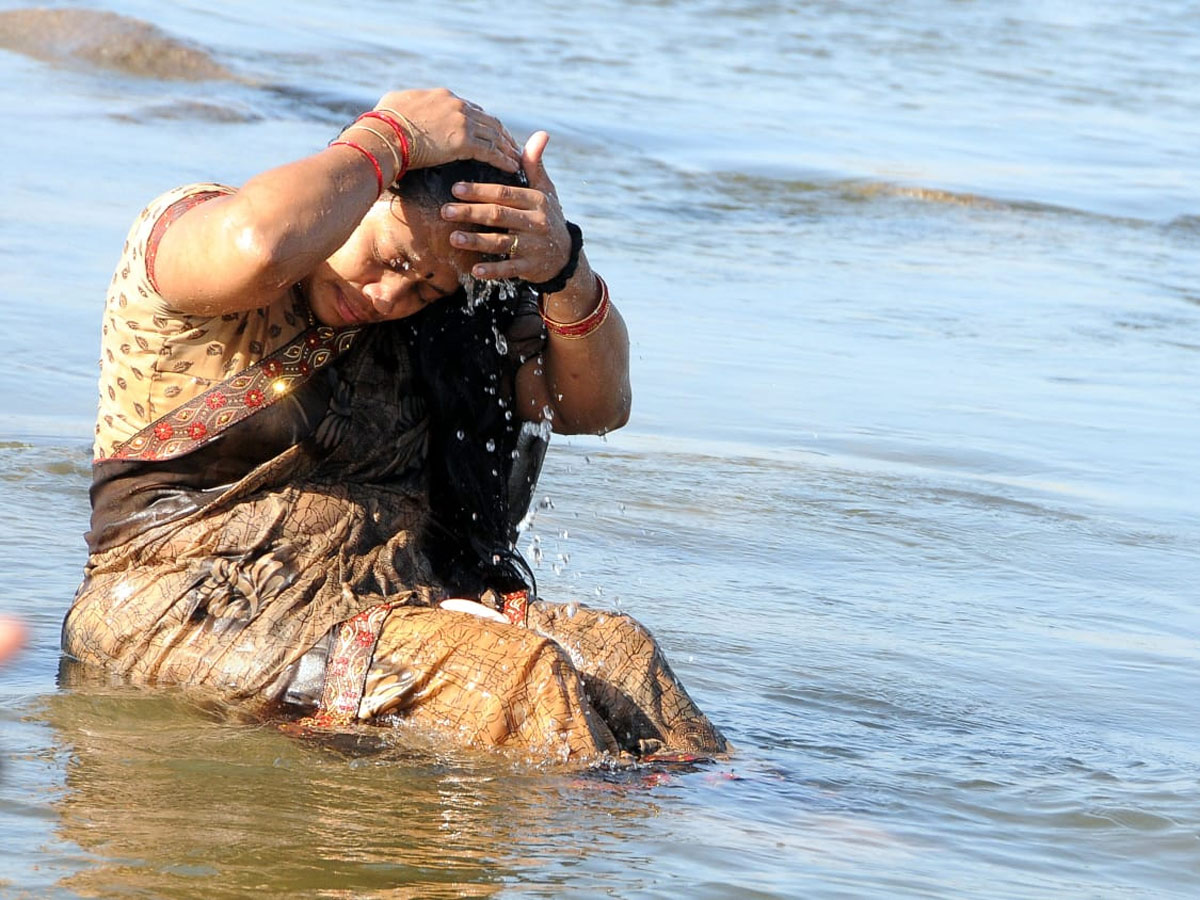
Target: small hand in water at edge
x=12 y=636
x=534 y=239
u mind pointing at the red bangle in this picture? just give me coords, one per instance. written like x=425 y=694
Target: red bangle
x=401 y=136
x=585 y=326
x=370 y=158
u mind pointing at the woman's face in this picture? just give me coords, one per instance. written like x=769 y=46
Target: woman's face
x=395 y=263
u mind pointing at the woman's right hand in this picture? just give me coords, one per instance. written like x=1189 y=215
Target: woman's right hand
x=447 y=128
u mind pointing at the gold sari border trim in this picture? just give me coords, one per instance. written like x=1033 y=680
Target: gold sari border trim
x=346 y=673
x=203 y=418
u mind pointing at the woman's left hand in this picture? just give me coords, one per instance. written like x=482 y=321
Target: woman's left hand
x=535 y=240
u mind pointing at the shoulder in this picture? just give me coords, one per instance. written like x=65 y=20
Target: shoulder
x=133 y=280
x=157 y=216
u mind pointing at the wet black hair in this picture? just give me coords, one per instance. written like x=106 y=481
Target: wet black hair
x=482 y=464
x=431 y=186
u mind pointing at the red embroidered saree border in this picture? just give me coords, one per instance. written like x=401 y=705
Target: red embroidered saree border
x=346 y=672
x=201 y=419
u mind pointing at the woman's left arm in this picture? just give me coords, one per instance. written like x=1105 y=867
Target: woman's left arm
x=581 y=380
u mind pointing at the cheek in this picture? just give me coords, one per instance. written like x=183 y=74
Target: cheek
x=353 y=260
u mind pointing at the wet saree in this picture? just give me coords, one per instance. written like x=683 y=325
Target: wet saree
x=265 y=541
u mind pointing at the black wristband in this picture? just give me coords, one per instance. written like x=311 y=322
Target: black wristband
x=559 y=281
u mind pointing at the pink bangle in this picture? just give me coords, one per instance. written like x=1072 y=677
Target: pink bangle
x=576 y=330
x=401 y=136
x=370 y=158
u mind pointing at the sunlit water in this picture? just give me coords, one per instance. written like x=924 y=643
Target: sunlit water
x=908 y=495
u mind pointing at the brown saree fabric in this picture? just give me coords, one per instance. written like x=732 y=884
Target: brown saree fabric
x=231 y=586
x=239 y=582
x=574 y=684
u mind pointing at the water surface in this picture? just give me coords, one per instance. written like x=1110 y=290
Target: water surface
x=908 y=493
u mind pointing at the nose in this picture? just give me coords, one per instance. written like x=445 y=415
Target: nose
x=387 y=291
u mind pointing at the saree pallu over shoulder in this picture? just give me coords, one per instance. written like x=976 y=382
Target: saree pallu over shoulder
x=192 y=424
x=224 y=579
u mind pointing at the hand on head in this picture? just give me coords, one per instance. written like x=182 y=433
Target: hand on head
x=533 y=232
x=445 y=127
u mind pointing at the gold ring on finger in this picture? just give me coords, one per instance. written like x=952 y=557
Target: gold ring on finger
x=512 y=248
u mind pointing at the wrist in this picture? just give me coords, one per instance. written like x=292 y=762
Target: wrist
x=384 y=152
x=560 y=281
x=576 y=299
x=585 y=325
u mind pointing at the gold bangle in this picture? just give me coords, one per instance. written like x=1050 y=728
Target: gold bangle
x=406 y=122
x=387 y=143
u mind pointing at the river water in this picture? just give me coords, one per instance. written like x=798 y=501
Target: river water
x=908 y=494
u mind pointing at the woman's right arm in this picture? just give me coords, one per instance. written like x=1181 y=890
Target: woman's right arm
x=244 y=250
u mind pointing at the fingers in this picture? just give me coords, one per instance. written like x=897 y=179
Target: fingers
x=532 y=162
x=491 y=143
x=501 y=270
x=445 y=127
x=503 y=194
x=489 y=242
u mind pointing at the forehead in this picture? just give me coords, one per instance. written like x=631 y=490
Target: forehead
x=404 y=228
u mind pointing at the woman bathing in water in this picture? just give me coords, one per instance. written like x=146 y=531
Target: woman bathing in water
x=324 y=398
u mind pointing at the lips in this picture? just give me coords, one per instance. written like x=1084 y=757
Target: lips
x=349 y=314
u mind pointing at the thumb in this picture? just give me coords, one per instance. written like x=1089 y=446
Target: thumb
x=531 y=162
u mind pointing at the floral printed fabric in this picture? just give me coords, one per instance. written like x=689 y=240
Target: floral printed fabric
x=153 y=358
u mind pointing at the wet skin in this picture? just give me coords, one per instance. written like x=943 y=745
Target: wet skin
x=394 y=264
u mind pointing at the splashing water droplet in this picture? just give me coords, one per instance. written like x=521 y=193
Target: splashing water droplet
x=480 y=291
x=460 y=434
x=490 y=445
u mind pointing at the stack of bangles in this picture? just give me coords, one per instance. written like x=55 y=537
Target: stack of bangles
x=400 y=127
x=576 y=330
